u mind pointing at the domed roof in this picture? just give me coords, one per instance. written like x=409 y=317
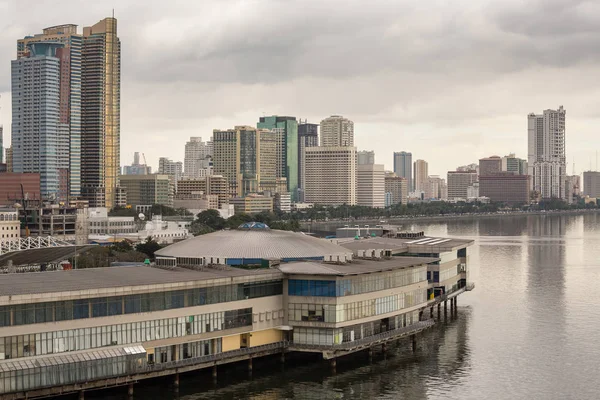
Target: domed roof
x=256 y=244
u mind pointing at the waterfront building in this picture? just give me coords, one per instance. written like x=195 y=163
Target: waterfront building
x=286 y=129
x=365 y=157
x=370 y=185
x=252 y=204
x=511 y=163
x=101 y=113
x=14 y=185
x=473 y=191
x=459 y=182
x=396 y=189
x=505 y=188
x=490 y=166
x=136 y=168
x=197 y=157
x=435 y=188
x=330 y=175
x=421 y=173
x=147 y=190
x=69 y=331
x=337 y=131
x=403 y=167
x=546 y=153
x=591 y=184
x=308 y=136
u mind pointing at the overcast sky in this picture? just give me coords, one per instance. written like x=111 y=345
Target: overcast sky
x=450 y=81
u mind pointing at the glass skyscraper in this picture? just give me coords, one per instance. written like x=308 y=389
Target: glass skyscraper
x=403 y=167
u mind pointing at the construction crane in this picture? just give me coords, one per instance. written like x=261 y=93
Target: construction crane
x=144 y=156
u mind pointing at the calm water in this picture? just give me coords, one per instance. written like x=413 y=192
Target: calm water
x=530 y=329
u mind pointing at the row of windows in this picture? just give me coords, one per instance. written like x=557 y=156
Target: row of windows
x=24 y=314
x=358 y=285
x=8 y=217
x=121 y=334
x=333 y=313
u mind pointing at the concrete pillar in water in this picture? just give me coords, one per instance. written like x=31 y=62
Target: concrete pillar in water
x=176 y=381
x=456 y=305
x=370 y=354
x=130 y=390
x=333 y=365
x=431 y=312
x=414 y=342
x=445 y=308
x=81 y=395
x=214 y=374
x=383 y=347
x=282 y=359
x=439 y=311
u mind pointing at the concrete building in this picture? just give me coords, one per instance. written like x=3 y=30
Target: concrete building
x=283 y=202
x=366 y=157
x=286 y=129
x=55 y=79
x=421 y=173
x=10 y=226
x=197 y=157
x=505 y=187
x=308 y=136
x=591 y=184
x=331 y=175
x=473 y=191
x=147 y=190
x=174 y=169
x=196 y=202
x=370 y=185
x=198 y=311
x=9 y=159
x=14 y=185
x=1 y=145
x=68 y=223
x=100 y=224
x=403 y=167
x=458 y=183
x=396 y=189
x=337 y=131
x=490 y=166
x=435 y=188
x=468 y=168
x=546 y=153
x=511 y=163
x=101 y=113
x=137 y=168
x=209 y=185
x=252 y=204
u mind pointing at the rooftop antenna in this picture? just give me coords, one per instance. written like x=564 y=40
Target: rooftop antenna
x=113 y=13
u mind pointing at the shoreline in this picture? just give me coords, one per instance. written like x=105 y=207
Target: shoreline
x=400 y=219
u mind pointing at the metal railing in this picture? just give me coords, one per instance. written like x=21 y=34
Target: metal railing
x=214 y=357
x=407 y=330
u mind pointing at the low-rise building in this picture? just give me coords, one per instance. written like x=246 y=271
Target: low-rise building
x=283 y=202
x=10 y=226
x=100 y=224
x=252 y=203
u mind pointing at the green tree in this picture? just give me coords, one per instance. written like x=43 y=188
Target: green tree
x=148 y=247
x=211 y=219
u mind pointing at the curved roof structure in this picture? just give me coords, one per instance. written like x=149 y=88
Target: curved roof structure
x=234 y=246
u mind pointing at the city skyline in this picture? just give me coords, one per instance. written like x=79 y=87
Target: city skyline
x=404 y=105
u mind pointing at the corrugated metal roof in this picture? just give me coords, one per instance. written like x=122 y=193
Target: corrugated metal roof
x=257 y=244
x=356 y=267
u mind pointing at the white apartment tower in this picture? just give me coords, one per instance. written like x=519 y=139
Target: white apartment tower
x=546 y=155
x=330 y=175
x=337 y=131
x=197 y=158
x=370 y=185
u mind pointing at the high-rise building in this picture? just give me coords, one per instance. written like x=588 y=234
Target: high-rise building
x=100 y=113
x=210 y=185
x=421 y=174
x=197 y=157
x=511 y=163
x=1 y=145
x=247 y=157
x=591 y=184
x=9 y=159
x=173 y=169
x=505 y=187
x=370 y=185
x=468 y=168
x=147 y=190
x=136 y=168
x=546 y=153
x=435 y=188
x=337 y=131
x=403 y=167
x=308 y=136
x=40 y=136
x=490 y=166
x=330 y=175
x=459 y=182
x=287 y=148
x=396 y=189
x=60 y=131
x=365 y=157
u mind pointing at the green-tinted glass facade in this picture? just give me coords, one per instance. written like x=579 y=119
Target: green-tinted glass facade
x=289 y=148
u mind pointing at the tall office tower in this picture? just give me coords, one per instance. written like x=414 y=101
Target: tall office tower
x=287 y=149
x=330 y=175
x=365 y=157
x=40 y=138
x=591 y=184
x=173 y=169
x=136 y=168
x=421 y=174
x=9 y=159
x=459 y=182
x=197 y=157
x=100 y=113
x=546 y=153
x=64 y=44
x=490 y=166
x=308 y=136
x=403 y=167
x=511 y=163
x=1 y=145
x=247 y=157
x=370 y=185
x=337 y=131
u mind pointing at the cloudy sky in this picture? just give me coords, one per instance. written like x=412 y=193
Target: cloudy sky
x=450 y=81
